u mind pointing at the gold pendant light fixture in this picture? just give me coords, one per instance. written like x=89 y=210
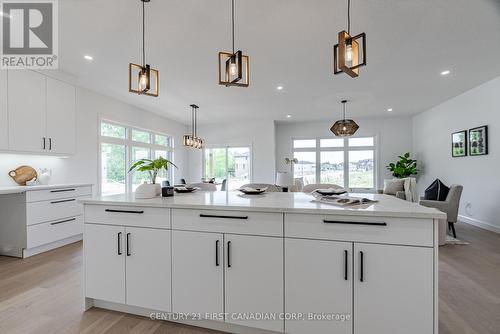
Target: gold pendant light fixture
x=193 y=140
x=348 y=56
x=344 y=127
x=142 y=79
x=233 y=67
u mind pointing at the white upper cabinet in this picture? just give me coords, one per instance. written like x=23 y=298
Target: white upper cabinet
x=26 y=110
x=61 y=120
x=41 y=114
x=4 y=127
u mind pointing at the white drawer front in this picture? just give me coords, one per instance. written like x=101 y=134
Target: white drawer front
x=403 y=231
x=238 y=222
x=39 y=212
x=57 y=193
x=127 y=216
x=45 y=233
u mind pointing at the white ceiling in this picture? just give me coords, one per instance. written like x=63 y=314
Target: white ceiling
x=409 y=42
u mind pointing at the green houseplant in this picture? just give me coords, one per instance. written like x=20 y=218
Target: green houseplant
x=405 y=167
x=153 y=167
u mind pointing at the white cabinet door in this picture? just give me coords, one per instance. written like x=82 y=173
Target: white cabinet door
x=318 y=281
x=26 y=108
x=61 y=113
x=254 y=280
x=4 y=127
x=393 y=289
x=104 y=249
x=148 y=268
x=197 y=272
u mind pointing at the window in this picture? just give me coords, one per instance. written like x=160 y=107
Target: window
x=348 y=162
x=123 y=145
x=228 y=163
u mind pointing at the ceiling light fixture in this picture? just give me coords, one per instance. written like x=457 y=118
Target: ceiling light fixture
x=347 y=55
x=279 y=88
x=233 y=67
x=446 y=72
x=146 y=82
x=344 y=127
x=87 y=57
x=193 y=140
x=389 y=109
x=288 y=116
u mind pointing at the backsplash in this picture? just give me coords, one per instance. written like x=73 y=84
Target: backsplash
x=56 y=165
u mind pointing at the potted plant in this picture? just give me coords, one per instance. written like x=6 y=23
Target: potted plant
x=403 y=168
x=152 y=167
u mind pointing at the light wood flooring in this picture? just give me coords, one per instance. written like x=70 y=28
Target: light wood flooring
x=43 y=294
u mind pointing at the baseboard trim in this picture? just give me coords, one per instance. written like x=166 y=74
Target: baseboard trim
x=50 y=246
x=479 y=223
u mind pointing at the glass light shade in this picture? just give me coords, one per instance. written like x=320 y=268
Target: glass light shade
x=349 y=54
x=143 y=80
x=233 y=69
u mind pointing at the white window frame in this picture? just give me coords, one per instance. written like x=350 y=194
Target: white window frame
x=227 y=147
x=345 y=149
x=129 y=143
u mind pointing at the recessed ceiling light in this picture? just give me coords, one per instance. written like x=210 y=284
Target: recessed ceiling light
x=446 y=72
x=87 y=57
x=288 y=116
x=389 y=109
x=279 y=88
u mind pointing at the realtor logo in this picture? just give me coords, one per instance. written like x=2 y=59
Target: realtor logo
x=29 y=34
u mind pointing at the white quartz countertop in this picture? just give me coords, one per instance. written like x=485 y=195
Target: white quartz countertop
x=386 y=206
x=22 y=189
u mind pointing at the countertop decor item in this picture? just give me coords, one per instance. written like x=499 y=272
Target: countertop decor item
x=184 y=189
x=146 y=190
x=344 y=127
x=146 y=81
x=283 y=180
x=152 y=167
x=44 y=176
x=193 y=140
x=405 y=167
x=252 y=191
x=22 y=174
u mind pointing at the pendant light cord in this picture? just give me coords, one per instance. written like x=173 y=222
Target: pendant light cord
x=232 y=21
x=143 y=36
x=349 y=17
x=343 y=109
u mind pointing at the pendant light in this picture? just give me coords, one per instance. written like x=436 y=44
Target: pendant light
x=348 y=57
x=344 y=127
x=233 y=66
x=193 y=140
x=142 y=79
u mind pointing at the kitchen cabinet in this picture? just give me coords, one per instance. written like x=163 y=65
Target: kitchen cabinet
x=139 y=270
x=4 y=126
x=197 y=272
x=41 y=113
x=318 y=280
x=254 y=280
x=393 y=290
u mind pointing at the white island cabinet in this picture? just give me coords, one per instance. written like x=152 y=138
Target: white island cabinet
x=271 y=263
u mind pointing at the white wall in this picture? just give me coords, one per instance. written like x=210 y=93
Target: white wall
x=479 y=175
x=259 y=135
x=83 y=167
x=394 y=137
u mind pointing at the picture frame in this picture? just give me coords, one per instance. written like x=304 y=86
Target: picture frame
x=459 y=145
x=478 y=141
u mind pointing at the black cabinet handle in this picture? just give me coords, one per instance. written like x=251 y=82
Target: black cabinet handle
x=119 y=243
x=361 y=273
x=223 y=217
x=62 y=190
x=217 y=253
x=354 y=223
x=44 y=145
x=229 y=254
x=128 y=244
x=346 y=257
x=63 y=201
x=50 y=143
x=63 y=221
x=124 y=211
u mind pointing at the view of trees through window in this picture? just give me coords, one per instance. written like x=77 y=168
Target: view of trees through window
x=121 y=146
x=348 y=162
x=228 y=163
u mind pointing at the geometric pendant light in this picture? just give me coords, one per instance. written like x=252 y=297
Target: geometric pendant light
x=233 y=66
x=348 y=55
x=192 y=140
x=142 y=79
x=344 y=127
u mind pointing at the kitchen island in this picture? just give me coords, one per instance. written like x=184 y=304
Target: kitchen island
x=277 y=262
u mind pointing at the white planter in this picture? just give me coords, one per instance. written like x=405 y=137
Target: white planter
x=146 y=190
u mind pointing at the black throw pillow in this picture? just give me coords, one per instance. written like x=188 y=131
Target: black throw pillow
x=437 y=191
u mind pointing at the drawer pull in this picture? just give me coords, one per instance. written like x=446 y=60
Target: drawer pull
x=217 y=253
x=223 y=217
x=63 y=221
x=124 y=211
x=62 y=190
x=229 y=254
x=119 y=246
x=128 y=244
x=63 y=201
x=354 y=223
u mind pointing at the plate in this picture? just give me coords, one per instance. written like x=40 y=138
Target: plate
x=327 y=192
x=256 y=191
x=184 y=190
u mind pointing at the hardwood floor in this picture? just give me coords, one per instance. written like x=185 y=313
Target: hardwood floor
x=43 y=294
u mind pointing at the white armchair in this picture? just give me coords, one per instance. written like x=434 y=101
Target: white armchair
x=449 y=206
